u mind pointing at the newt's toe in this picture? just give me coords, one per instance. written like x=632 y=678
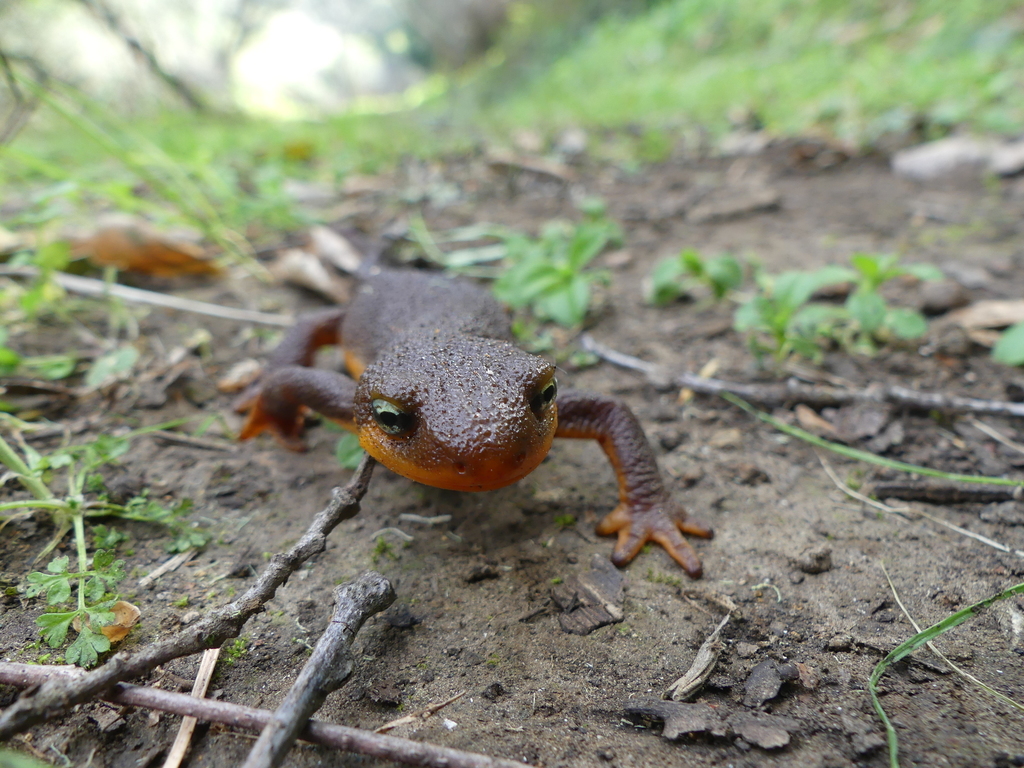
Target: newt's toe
x=285 y=423
x=636 y=527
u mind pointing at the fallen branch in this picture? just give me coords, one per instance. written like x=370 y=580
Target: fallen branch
x=340 y=737
x=936 y=493
x=89 y=287
x=794 y=391
x=327 y=669
x=56 y=696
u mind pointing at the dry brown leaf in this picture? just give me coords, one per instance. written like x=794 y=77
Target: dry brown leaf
x=126 y=616
x=813 y=423
x=335 y=249
x=132 y=244
x=241 y=375
x=305 y=270
x=993 y=313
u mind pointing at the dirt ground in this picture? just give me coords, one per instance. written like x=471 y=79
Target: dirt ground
x=480 y=585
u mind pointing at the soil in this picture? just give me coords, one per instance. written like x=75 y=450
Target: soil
x=801 y=562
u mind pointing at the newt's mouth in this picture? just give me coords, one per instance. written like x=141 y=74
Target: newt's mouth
x=488 y=473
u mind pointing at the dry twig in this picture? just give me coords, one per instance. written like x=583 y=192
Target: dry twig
x=337 y=736
x=908 y=512
x=89 y=287
x=56 y=696
x=793 y=391
x=419 y=715
x=327 y=669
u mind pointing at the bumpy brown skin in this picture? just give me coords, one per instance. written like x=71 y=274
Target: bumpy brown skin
x=440 y=351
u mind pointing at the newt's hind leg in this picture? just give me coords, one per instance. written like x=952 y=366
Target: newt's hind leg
x=646 y=511
x=288 y=387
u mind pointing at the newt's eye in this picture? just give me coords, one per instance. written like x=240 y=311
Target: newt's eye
x=543 y=399
x=391 y=418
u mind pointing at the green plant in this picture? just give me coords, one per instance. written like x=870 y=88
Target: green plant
x=1010 y=347
x=565 y=521
x=922 y=638
x=549 y=274
x=235 y=650
x=870 y=318
x=676 y=276
x=381 y=549
x=780 y=320
x=771 y=316
x=348 y=451
x=94 y=587
x=95 y=577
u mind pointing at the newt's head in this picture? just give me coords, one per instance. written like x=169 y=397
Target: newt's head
x=462 y=413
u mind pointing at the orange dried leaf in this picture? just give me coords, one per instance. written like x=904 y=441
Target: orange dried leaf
x=126 y=616
x=131 y=244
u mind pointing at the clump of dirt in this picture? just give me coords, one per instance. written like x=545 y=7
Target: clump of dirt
x=800 y=562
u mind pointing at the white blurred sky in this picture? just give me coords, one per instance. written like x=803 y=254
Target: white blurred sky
x=301 y=57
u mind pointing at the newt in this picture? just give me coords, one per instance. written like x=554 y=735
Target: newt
x=438 y=392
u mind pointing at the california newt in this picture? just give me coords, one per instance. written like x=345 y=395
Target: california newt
x=440 y=394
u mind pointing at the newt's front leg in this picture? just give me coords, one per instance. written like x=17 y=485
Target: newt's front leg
x=288 y=387
x=646 y=511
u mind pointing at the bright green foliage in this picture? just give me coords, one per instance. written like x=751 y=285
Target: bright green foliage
x=676 y=276
x=111 y=365
x=781 y=313
x=777 y=312
x=1010 y=347
x=348 y=452
x=10 y=759
x=9 y=359
x=549 y=274
x=94 y=604
x=94 y=584
x=852 y=70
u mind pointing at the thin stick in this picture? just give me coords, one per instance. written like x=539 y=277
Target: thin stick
x=327 y=669
x=55 y=697
x=999 y=437
x=906 y=511
x=188 y=723
x=166 y=567
x=793 y=391
x=89 y=287
x=318 y=732
x=419 y=715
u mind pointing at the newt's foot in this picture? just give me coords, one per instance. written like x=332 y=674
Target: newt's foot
x=284 y=420
x=661 y=524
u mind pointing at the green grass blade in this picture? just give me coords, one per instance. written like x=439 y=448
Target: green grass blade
x=907 y=647
x=854 y=453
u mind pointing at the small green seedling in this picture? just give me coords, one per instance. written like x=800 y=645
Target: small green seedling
x=565 y=521
x=95 y=578
x=348 y=452
x=1010 y=347
x=870 y=318
x=771 y=316
x=549 y=274
x=782 y=322
x=678 y=275
x=95 y=601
